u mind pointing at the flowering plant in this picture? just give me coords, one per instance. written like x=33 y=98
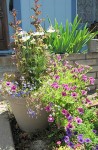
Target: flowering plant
x=65 y=97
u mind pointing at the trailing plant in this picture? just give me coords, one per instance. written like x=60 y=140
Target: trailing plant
x=64 y=94
x=71 y=38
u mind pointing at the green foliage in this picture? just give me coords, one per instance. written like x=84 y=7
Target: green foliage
x=31 y=56
x=64 y=94
x=71 y=38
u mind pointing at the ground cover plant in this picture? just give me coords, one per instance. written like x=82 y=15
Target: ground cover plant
x=65 y=98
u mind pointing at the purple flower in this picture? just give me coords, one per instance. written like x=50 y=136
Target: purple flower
x=64 y=93
x=84 y=78
x=81 y=110
x=57 y=77
x=68 y=132
x=8 y=83
x=66 y=87
x=75 y=132
x=31 y=112
x=65 y=112
x=74 y=94
x=87 y=140
x=95 y=131
x=71 y=144
x=48 y=108
x=80 y=69
x=13 y=88
x=73 y=88
x=70 y=126
x=75 y=70
x=80 y=138
x=92 y=80
x=50 y=118
x=88 y=101
x=78 y=120
x=84 y=92
x=81 y=141
x=69 y=118
x=55 y=85
x=66 y=63
x=80 y=135
x=66 y=139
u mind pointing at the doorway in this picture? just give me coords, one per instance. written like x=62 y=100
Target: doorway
x=3 y=26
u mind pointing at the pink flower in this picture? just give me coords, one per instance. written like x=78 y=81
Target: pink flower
x=59 y=57
x=58 y=142
x=92 y=80
x=48 y=108
x=73 y=88
x=80 y=69
x=50 y=118
x=65 y=112
x=75 y=70
x=84 y=78
x=84 y=92
x=64 y=94
x=55 y=85
x=78 y=120
x=8 y=83
x=70 y=126
x=57 y=77
x=13 y=88
x=81 y=110
x=66 y=87
x=77 y=146
x=88 y=101
x=74 y=94
x=66 y=63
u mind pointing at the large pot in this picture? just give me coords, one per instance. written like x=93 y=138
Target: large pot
x=24 y=120
x=93 y=45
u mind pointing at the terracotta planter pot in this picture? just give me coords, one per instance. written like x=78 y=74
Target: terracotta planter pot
x=26 y=122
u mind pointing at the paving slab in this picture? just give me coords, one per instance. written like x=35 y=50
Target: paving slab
x=6 y=139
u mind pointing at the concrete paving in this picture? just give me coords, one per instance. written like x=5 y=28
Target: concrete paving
x=6 y=139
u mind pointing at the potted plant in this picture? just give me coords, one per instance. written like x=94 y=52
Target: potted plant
x=71 y=38
x=93 y=43
x=31 y=60
x=65 y=95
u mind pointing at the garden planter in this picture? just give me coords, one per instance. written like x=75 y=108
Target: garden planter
x=93 y=45
x=26 y=122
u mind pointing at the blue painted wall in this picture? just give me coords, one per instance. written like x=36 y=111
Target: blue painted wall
x=62 y=10
x=17 y=6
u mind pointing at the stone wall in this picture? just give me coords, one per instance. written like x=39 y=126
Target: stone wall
x=90 y=59
x=6 y=64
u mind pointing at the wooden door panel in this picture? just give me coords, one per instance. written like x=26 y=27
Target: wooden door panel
x=3 y=25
